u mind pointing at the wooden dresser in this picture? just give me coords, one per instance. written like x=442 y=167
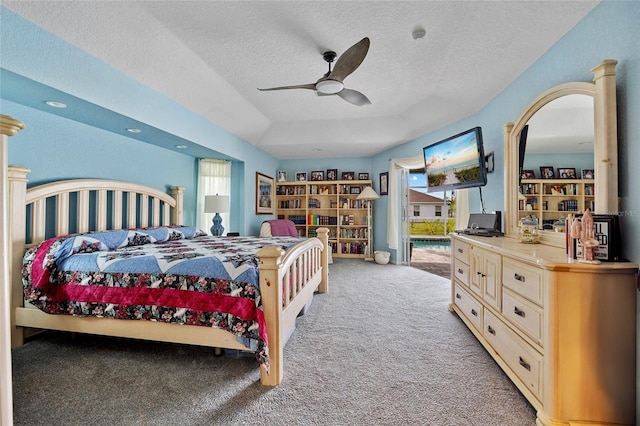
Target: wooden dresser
x=564 y=332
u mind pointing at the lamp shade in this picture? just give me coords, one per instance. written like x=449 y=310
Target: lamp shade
x=216 y=204
x=368 y=194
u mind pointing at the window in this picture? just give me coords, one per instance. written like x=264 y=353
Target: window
x=214 y=177
x=438 y=211
x=416 y=210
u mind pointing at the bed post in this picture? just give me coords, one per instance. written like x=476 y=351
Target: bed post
x=177 y=192
x=323 y=235
x=8 y=127
x=271 y=293
x=17 y=218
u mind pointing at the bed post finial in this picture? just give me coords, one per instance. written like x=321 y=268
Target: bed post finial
x=177 y=192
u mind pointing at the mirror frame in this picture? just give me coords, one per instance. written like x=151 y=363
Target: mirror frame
x=605 y=147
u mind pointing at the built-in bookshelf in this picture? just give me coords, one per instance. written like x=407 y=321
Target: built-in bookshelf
x=550 y=199
x=329 y=204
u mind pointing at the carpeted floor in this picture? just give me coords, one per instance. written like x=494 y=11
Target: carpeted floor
x=380 y=349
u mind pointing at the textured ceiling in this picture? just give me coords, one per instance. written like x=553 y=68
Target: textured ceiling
x=211 y=56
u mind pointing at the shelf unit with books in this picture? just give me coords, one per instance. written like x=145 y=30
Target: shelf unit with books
x=331 y=204
x=550 y=199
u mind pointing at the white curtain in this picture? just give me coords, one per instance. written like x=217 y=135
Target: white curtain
x=462 y=208
x=397 y=168
x=214 y=178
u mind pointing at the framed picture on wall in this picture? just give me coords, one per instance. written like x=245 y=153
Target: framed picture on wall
x=264 y=194
x=332 y=174
x=363 y=176
x=384 y=183
x=317 y=175
x=301 y=176
x=282 y=175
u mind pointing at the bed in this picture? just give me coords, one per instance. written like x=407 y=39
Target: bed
x=264 y=283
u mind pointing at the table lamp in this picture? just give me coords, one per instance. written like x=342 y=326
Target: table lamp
x=216 y=204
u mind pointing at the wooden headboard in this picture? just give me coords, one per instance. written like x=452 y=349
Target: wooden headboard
x=80 y=205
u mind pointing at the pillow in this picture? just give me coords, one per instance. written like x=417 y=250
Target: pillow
x=279 y=228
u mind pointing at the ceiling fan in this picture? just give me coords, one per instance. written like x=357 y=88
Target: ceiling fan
x=332 y=82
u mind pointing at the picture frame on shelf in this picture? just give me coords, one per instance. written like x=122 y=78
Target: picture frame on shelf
x=301 y=176
x=317 y=175
x=348 y=175
x=546 y=172
x=566 y=172
x=282 y=175
x=528 y=174
x=384 y=183
x=588 y=174
x=332 y=174
x=355 y=190
x=264 y=194
x=363 y=176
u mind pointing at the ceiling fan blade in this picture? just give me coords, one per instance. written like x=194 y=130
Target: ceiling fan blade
x=350 y=60
x=354 y=97
x=311 y=86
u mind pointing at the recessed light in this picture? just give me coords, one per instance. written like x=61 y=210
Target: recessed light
x=56 y=104
x=181 y=146
x=317 y=149
x=133 y=130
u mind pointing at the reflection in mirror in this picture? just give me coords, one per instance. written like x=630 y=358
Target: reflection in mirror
x=558 y=136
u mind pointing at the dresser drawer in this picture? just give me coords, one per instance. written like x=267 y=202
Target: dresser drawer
x=525 y=315
x=471 y=308
x=523 y=359
x=523 y=279
x=461 y=271
x=461 y=251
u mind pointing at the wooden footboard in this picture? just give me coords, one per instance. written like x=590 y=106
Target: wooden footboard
x=290 y=278
x=287 y=280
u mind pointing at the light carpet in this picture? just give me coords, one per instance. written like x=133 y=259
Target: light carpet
x=381 y=348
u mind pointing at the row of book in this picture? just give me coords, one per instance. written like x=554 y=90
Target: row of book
x=316 y=219
x=353 y=233
x=352 y=248
x=295 y=203
x=291 y=190
x=568 y=206
x=350 y=203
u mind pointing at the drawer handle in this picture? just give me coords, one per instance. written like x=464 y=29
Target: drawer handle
x=524 y=364
x=491 y=330
x=458 y=296
x=474 y=312
x=518 y=277
x=481 y=274
x=460 y=250
x=518 y=312
x=459 y=270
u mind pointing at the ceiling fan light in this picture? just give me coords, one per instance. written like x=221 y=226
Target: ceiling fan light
x=329 y=87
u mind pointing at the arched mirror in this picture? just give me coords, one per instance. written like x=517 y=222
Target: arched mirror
x=572 y=127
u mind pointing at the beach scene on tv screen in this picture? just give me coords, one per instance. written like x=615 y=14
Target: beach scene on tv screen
x=452 y=162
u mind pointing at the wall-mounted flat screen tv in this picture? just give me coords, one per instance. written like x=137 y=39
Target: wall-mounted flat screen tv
x=456 y=162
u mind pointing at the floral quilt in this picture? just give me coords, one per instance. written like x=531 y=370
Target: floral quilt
x=170 y=274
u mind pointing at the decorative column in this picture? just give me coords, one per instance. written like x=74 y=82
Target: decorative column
x=8 y=127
